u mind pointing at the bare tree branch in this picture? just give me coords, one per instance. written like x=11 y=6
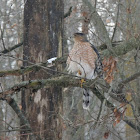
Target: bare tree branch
x=99 y=24
x=127 y=80
x=131 y=78
x=68 y=13
x=12 y=48
x=123 y=47
x=3 y=43
x=63 y=81
x=33 y=68
x=116 y=23
x=21 y=71
x=120 y=49
x=19 y=113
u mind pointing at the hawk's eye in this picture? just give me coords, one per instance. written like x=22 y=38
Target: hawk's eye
x=78 y=34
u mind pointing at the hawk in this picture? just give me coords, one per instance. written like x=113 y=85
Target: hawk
x=84 y=61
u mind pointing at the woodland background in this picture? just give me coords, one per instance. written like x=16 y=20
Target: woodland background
x=40 y=100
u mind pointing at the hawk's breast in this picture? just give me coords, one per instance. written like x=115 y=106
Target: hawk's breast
x=82 y=57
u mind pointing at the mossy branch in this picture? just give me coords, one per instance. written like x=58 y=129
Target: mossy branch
x=63 y=81
x=21 y=71
x=32 y=68
x=124 y=47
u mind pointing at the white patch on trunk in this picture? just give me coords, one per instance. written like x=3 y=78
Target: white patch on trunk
x=40 y=117
x=37 y=97
x=44 y=103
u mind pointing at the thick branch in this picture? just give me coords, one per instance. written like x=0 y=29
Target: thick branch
x=23 y=119
x=97 y=21
x=104 y=46
x=131 y=78
x=63 y=81
x=127 y=80
x=32 y=68
x=21 y=71
x=123 y=47
x=117 y=93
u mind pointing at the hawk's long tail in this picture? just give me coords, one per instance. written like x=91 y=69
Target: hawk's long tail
x=86 y=98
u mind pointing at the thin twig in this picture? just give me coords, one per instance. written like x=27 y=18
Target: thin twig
x=11 y=49
x=116 y=23
x=3 y=43
x=68 y=13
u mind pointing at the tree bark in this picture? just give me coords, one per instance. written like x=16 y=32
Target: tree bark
x=43 y=33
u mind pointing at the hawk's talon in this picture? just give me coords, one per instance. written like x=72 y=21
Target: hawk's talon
x=82 y=81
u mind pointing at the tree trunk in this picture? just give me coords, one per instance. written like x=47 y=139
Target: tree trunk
x=43 y=30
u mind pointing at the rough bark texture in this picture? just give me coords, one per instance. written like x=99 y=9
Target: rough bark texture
x=43 y=26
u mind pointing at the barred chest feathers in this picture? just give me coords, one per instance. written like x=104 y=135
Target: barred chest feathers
x=82 y=58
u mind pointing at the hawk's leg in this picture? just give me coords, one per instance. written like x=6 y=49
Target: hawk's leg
x=82 y=80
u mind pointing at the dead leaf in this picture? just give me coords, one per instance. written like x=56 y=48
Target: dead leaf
x=108 y=20
x=109 y=68
x=128 y=10
x=84 y=14
x=118 y=115
x=20 y=106
x=64 y=127
x=14 y=25
x=106 y=135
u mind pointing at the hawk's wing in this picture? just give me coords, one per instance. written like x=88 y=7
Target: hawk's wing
x=98 y=62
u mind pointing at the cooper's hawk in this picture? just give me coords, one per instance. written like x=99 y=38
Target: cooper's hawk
x=84 y=61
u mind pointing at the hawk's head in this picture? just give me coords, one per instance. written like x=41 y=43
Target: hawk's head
x=80 y=37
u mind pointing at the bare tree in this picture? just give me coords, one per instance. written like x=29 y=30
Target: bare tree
x=43 y=33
